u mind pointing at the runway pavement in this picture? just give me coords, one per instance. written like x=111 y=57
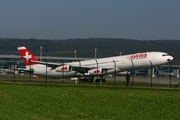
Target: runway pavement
x=156 y=80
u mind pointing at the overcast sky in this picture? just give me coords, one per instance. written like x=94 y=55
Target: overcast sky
x=63 y=19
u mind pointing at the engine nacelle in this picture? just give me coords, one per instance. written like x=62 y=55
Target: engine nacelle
x=95 y=71
x=66 y=68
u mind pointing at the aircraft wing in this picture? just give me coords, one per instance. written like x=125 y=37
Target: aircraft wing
x=73 y=67
x=49 y=64
x=55 y=65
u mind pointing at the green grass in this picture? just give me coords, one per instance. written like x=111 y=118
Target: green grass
x=37 y=102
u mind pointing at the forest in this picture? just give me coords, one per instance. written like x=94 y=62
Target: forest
x=85 y=47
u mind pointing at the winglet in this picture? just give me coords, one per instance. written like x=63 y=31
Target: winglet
x=27 y=56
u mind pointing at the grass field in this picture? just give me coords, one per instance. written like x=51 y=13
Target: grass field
x=38 y=102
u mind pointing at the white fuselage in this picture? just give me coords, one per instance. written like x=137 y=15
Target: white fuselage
x=109 y=64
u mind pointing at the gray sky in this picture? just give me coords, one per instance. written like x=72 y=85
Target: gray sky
x=63 y=19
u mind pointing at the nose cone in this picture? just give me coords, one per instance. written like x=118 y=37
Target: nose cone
x=170 y=58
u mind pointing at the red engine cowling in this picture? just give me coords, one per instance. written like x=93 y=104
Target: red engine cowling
x=95 y=71
x=63 y=68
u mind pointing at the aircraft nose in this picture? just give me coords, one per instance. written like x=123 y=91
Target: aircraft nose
x=170 y=58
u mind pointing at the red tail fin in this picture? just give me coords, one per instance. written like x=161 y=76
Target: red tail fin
x=27 y=56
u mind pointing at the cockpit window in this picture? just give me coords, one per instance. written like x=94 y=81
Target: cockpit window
x=165 y=55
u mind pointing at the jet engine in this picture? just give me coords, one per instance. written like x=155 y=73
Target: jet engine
x=98 y=71
x=66 y=68
x=101 y=71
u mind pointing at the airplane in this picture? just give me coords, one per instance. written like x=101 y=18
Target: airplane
x=93 y=67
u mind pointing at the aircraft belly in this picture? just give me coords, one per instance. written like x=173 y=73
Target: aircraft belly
x=134 y=64
x=141 y=64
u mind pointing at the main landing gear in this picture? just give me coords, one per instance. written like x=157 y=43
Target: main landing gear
x=91 y=79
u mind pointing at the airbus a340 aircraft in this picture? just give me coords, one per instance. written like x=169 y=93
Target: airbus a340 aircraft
x=94 y=67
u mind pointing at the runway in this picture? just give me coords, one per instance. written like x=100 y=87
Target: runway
x=118 y=81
